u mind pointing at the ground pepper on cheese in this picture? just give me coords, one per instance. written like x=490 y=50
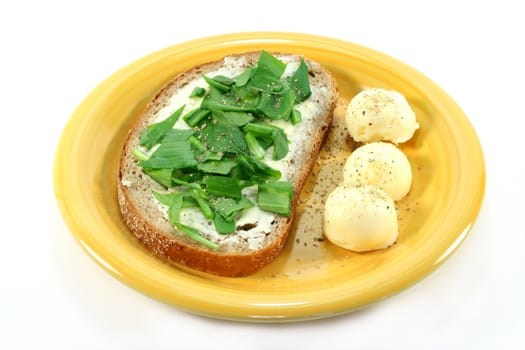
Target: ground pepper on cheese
x=360 y=213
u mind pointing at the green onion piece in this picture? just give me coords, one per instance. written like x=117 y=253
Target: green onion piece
x=173 y=201
x=208 y=155
x=195 y=116
x=269 y=65
x=246 y=183
x=244 y=167
x=220 y=106
x=280 y=144
x=265 y=142
x=268 y=84
x=296 y=117
x=277 y=107
x=198 y=92
x=223 y=186
x=195 y=235
x=253 y=145
x=217 y=84
x=189 y=185
x=203 y=204
x=275 y=198
x=176 y=135
x=300 y=84
x=171 y=155
x=224 y=80
x=229 y=207
x=164 y=198
x=139 y=155
x=153 y=133
x=280 y=186
x=262 y=171
x=268 y=71
x=222 y=225
x=221 y=167
x=175 y=208
x=189 y=202
x=242 y=79
x=196 y=143
x=162 y=176
x=189 y=175
x=223 y=138
x=260 y=130
x=233 y=118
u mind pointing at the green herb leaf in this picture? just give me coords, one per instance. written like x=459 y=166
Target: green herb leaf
x=217 y=84
x=275 y=197
x=236 y=100
x=195 y=235
x=265 y=142
x=162 y=176
x=270 y=66
x=253 y=145
x=262 y=171
x=275 y=106
x=229 y=207
x=233 y=118
x=171 y=155
x=208 y=155
x=189 y=202
x=280 y=144
x=260 y=129
x=203 y=203
x=153 y=133
x=174 y=202
x=139 y=155
x=296 y=117
x=224 y=80
x=198 y=92
x=223 y=186
x=224 y=138
x=221 y=167
x=222 y=225
x=224 y=106
x=190 y=187
x=247 y=96
x=242 y=79
x=164 y=198
x=244 y=170
x=176 y=135
x=300 y=84
x=280 y=187
x=196 y=116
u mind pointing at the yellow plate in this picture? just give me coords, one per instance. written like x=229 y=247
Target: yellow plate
x=312 y=278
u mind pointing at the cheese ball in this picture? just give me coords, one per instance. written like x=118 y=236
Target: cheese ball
x=379 y=164
x=360 y=218
x=380 y=115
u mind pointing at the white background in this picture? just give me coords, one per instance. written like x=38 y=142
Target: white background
x=53 y=54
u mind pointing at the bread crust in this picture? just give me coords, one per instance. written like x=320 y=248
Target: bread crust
x=173 y=246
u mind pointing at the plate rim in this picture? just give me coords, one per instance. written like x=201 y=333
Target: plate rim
x=291 y=312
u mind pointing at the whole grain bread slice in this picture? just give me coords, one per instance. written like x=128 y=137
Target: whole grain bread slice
x=236 y=256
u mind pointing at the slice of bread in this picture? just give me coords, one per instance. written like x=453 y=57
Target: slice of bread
x=260 y=236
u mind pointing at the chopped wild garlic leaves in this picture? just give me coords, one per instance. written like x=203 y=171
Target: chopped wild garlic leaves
x=208 y=166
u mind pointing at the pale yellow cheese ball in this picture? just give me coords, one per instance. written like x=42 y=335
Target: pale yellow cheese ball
x=379 y=164
x=380 y=115
x=360 y=218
